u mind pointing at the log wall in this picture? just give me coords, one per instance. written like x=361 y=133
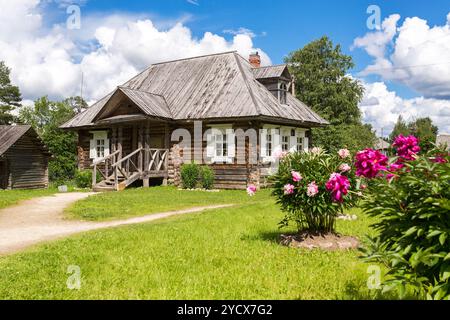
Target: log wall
x=27 y=164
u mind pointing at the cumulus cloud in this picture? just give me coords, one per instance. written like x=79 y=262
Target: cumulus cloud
x=381 y=108
x=414 y=54
x=49 y=60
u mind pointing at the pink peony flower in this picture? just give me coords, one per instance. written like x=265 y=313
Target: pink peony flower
x=369 y=163
x=338 y=185
x=439 y=159
x=280 y=154
x=296 y=176
x=345 y=167
x=363 y=187
x=394 y=168
x=344 y=153
x=316 y=150
x=407 y=147
x=289 y=189
x=251 y=190
x=313 y=189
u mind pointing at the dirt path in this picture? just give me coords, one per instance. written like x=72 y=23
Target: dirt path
x=41 y=219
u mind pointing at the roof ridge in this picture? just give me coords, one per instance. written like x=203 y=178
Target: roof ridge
x=252 y=95
x=273 y=66
x=196 y=57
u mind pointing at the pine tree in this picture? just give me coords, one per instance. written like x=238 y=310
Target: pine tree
x=10 y=97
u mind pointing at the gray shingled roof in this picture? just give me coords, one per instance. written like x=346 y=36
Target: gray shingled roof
x=208 y=87
x=270 y=71
x=9 y=135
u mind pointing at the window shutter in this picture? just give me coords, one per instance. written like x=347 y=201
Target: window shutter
x=276 y=138
x=293 y=143
x=305 y=144
x=107 y=151
x=231 y=144
x=263 y=142
x=92 y=150
x=210 y=147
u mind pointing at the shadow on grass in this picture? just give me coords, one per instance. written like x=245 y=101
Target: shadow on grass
x=272 y=237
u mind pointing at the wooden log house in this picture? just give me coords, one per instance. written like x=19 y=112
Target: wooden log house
x=128 y=135
x=23 y=159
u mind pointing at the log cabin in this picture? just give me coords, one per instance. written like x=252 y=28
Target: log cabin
x=23 y=158
x=133 y=133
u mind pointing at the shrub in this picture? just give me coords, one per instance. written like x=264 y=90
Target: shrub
x=189 y=175
x=83 y=178
x=412 y=204
x=207 y=177
x=314 y=187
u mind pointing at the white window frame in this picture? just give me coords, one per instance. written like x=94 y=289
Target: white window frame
x=227 y=140
x=99 y=136
x=267 y=155
x=277 y=133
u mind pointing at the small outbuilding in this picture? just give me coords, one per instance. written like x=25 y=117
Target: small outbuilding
x=443 y=140
x=23 y=158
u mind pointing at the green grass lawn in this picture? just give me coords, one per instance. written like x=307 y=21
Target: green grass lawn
x=12 y=197
x=135 y=202
x=228 y=253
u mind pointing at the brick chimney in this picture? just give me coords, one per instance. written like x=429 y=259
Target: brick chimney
x=255 y=60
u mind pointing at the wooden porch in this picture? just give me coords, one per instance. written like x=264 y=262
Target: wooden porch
x=139 y=151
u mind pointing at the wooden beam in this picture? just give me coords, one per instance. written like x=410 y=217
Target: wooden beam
x=120 y=142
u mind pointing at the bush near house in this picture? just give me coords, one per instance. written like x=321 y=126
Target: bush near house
x=189 y=175
x=193 y=175
x=83 y=178
x=207 y=177
x=412 y=206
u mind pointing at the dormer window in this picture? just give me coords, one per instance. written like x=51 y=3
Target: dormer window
x=282 y=93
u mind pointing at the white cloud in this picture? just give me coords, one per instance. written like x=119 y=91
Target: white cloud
x=49 y=60
x=381 y=108
x=240 y=30
x=194 y=2
x=414 y=54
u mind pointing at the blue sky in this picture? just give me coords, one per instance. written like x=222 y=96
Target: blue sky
x=414 y=33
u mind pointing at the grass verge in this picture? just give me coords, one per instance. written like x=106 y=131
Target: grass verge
x=229 y=253
x=143 y=201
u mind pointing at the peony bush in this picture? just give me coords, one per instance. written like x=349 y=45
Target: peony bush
x=314 y=187
x=411 y=201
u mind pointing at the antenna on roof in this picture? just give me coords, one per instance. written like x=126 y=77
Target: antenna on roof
x=82 y=80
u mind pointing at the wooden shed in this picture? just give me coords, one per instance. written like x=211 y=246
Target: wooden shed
x=23 y=159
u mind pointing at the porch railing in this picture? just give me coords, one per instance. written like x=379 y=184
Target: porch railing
x=141 y=163
x=103 y=166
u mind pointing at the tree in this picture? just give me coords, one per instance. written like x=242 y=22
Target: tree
x=322 y=82
x=45 y=117
x=10 y=97
x=76 y=103
x=424 y=129
x=400 y=128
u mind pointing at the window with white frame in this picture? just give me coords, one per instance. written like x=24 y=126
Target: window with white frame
x=221 y=145
x=299 y=144
x=99 y=145
x=285 y=143
x=285 y=139
x=269 y=144
x=100 y=148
